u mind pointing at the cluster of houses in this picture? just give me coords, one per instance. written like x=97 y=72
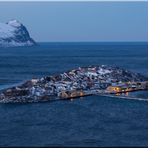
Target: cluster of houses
x=84 y=80
x=127 y=87
x=79 y=82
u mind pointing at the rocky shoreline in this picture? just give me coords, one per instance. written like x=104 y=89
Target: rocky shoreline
x=79 y=82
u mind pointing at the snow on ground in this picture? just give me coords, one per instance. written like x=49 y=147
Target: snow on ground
x=14 y=23
x=6 y=30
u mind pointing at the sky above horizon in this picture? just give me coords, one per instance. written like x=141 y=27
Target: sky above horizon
x=80 y=21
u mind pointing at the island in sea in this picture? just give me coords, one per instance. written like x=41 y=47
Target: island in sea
x=83 y=81
x=13 y=34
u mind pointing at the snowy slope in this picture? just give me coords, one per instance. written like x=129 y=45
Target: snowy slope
x=14 y=33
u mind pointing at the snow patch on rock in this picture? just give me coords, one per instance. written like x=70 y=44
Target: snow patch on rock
x=14 y=23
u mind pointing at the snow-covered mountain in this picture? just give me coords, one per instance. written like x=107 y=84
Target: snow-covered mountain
x=13 y=33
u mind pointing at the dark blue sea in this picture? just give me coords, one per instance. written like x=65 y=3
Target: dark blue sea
x=87 y=121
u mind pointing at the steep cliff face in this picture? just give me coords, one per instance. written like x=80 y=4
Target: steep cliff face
x=13 y=33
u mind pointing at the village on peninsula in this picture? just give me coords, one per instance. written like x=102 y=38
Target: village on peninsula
x=83 y=81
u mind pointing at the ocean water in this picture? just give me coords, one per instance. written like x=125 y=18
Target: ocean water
x=87 y=121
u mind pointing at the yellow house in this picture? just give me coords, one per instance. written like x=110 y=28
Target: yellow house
x=71 y=94
x=77 y=94
x=63 y=94
x=118 y=89
x=114 y=89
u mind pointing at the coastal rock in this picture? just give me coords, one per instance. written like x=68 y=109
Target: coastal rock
x=14 y=33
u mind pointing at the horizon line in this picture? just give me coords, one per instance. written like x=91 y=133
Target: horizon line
x=84 y=41
x=73 y=1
